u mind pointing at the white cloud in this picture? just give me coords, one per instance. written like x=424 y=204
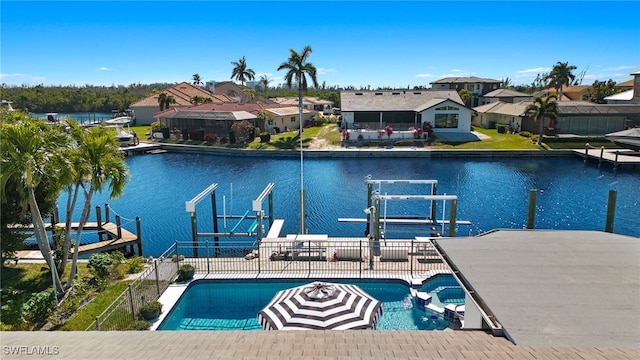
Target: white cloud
x=531 y=72
x=424 y=75
x=19 y=79
x=322 y=71
x=104 y=68
x=621 y=68
x=456 y=70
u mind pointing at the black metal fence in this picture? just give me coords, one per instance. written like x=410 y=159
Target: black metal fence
x=124 y=311
x=273 y=258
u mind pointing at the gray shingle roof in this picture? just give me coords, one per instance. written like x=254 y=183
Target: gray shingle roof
x=506 y=93
x=404 y=100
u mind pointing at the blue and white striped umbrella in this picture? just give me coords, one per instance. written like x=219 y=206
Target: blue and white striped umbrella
x=320 y=306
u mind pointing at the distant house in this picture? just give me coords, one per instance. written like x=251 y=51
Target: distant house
x=505 y=96
x=631 y=95
x=401 y=110
x=475 y=85
x=575 y=117
x=308 y=102
x=236 y=91
x=181 y=93
x=569 y=93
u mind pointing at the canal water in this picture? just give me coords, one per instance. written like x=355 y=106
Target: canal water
x=492 y=193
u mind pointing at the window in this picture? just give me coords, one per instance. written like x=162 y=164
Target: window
x=293 y=119
x=447 y=108
x=446 y=121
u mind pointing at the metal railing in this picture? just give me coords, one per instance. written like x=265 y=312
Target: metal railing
x=273 y=258
x=124 y=311
x=353 y=258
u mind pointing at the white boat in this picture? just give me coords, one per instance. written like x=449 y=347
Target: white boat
x=7 y=105
x=629 y=139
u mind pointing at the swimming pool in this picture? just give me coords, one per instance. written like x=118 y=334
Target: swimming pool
x=234 y=304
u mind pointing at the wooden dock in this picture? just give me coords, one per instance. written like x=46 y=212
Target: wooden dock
x=115 y=238
x=616 y=157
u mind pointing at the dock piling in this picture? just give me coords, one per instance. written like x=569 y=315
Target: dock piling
x=611 y=209
x=531 y=214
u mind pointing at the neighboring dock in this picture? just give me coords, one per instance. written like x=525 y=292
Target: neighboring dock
x=111 y=236
x=616 y=157
x=142 y=148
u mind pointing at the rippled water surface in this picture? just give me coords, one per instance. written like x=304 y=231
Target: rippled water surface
x=492 y=193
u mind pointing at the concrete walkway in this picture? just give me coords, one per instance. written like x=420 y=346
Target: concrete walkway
x=156 y=345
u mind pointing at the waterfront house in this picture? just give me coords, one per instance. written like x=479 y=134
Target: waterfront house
x=443 y=110
x=182 y=93
x=504 y=95
x=308 y=102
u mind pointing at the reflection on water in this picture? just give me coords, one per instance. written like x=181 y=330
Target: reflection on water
x=492 y=193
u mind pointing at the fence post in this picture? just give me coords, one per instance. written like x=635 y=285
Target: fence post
x=412 y=257
x=611 y=209
x=98 y=323
x=133 y=313
x=208 y=266
x=531 y=214
x=119 y=229
x=155 y=264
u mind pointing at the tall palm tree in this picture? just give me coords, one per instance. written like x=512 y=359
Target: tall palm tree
x=560 y=75
x=30 y=156
x=98 y=163
x=197 y=81
x=542 y=109
x=240 y=71
x=298 y=68
x=264 y=82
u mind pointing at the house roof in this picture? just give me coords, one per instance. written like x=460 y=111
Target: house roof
x=253 y=108
x=568 y=92
x=406 y=100
x=288 y=111
x=182 y=94
x=513 y=109
x=623 y=96
x=306 y=100
x=506 y=93
x=209 y=115
x=550 y=288
x=625 y=84
x=464 y=80
x=585 y=108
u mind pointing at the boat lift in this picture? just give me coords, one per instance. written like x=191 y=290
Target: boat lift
x=255 y=228
x=374 y=198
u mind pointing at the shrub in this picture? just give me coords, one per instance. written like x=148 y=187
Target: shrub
x=501 y=128
x=243 y=131
x=360 y=137
x=135 y=265
x=224 y=140
x=39 y=306
x=151 y=310
x=139 y=325
x=265 y=137
x=525 y=134
x=211 y=138
x=100 y=265
x=185 y=272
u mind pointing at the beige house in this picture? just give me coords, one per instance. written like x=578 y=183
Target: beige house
x=286 y=118
x=182 y=93
x=308 y=102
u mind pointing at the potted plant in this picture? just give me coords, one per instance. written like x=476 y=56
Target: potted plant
x=185 y=272
x=151 y=310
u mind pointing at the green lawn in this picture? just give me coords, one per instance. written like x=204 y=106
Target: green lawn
x=495 y=141
x=86 y=315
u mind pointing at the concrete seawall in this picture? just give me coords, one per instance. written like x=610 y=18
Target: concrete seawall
x=373 y=152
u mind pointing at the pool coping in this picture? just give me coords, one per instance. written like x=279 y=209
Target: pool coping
x=170 y=297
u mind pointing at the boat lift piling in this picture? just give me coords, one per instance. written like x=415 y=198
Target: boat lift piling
x=256 y=226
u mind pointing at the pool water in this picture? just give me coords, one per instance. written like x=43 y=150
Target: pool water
x=234 y=305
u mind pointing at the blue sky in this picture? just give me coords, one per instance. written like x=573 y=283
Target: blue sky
x=359 y=43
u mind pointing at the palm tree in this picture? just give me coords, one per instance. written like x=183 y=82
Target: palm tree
x=98 y=163
x=297 y=69
x=466 y=97
x=264 y=82
x=240 y=71
x=32 y=153
x=165 y=101
x=197 y=81
x=542 y=109
x=560 y=75
x=248 y=93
